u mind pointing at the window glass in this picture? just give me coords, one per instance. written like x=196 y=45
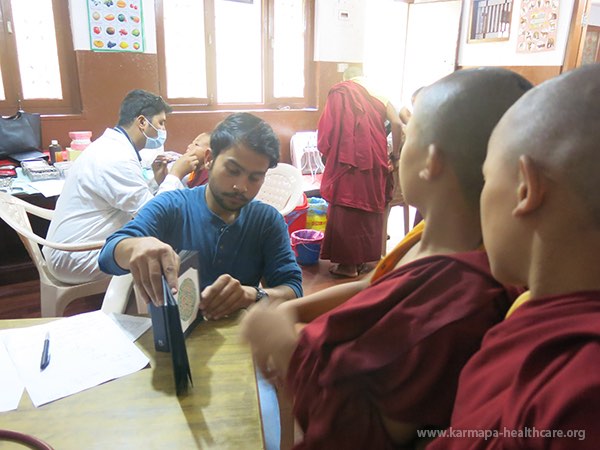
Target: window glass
x=288 y=49
x=238 y=42
x=185 y=50
x=35 y=36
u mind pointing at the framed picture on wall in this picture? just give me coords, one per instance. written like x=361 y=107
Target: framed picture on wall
x=538 y=26
x=116 y=25
x=490 y=20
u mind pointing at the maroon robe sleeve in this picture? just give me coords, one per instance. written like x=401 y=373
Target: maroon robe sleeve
x=328 y=126
x=535 y=378
x=395 y=348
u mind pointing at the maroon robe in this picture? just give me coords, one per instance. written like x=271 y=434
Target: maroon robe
x=538 y=370
x=200 y=177
x=352 y=138
x=396 y=347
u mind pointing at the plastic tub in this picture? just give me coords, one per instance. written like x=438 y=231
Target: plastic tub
x=307 y=246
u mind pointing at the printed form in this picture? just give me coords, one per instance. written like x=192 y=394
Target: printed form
x=85 y=351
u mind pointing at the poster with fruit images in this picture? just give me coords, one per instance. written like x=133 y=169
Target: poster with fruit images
x=116 y=25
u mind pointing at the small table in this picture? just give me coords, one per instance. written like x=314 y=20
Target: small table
x=141 y=410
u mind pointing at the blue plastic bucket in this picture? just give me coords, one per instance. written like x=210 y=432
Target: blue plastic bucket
x=307 y=246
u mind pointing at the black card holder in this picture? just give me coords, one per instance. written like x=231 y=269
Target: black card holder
x=168 y=337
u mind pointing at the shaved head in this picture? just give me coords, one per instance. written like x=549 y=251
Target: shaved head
x=557 y=125
x=458 y=114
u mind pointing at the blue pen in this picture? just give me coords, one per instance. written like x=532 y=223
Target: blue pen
x=45 y=353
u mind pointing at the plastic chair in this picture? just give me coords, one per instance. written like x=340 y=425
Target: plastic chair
x=118 y=294
x=54 y=294
x=282 y=188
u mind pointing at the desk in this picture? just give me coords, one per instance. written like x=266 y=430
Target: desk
x=141 y=411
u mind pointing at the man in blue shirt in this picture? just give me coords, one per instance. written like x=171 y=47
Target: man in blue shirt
x=239 y=241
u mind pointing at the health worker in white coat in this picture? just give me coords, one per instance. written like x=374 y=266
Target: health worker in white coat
x=106 y=186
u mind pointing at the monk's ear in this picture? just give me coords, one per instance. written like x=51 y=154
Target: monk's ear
x=531 y=189
x=434 y=163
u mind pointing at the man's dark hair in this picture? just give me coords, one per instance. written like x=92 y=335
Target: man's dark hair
x=248 y=130
x=141 y=103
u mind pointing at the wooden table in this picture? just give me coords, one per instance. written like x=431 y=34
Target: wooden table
x=141 y=411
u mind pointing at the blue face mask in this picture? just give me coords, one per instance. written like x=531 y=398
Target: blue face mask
x=158 y=141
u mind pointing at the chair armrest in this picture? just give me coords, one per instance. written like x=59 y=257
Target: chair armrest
x=74 y=247
x=44 y=213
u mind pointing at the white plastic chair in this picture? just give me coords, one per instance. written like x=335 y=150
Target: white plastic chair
x=118 y=294
x=282 y=188
x=54 y=294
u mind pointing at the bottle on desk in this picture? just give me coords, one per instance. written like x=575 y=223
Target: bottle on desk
x=55 y=151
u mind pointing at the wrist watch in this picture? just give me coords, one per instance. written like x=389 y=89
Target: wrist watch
x=260 y=293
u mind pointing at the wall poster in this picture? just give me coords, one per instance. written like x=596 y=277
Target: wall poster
x=116 y=26
x=538 y=25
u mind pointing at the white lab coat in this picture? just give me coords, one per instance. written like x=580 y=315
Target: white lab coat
x=104 y=189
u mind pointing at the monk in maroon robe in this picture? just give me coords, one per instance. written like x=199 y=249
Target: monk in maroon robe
x=199 y=145
x=370 y=370
x=535 y=383
x=356 y=181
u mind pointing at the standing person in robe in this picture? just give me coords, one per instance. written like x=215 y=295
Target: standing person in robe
x=370 y=370
x=537 y=375
x=353 y=141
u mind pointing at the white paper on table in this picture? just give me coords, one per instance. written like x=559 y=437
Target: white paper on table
x=48 y=188
x=85 y=350
x=132 y=326
x=11 y=386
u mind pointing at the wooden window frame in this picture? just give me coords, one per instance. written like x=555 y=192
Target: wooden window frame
x=472 y=25
x=67 y=61
x=269 y=101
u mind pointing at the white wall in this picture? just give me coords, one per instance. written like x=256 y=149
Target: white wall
x=504 y=53
x=81 y=34
x=339 y=30
x=430 y=44
x=594 y=18
x=385 y=47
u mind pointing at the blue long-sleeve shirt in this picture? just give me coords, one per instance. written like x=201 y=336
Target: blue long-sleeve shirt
x=254 y=246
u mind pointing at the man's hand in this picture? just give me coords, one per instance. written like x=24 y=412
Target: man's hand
x=225 y=296
x=271 y=333
x=185 y=164
x=159 y=167
x=148 y=260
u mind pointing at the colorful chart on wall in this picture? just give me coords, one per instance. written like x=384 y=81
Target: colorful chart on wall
x=116 y=25
x=538 y=25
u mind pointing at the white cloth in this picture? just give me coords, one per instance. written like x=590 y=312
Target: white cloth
x=104 y=189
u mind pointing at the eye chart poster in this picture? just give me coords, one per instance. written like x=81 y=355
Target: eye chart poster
x=116 y=25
